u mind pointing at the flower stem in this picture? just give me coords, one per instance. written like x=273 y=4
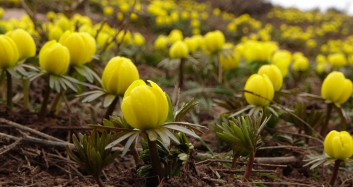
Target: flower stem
x=328 y=116
x=181 y=72
x=220 y=71
x=135 y=154
x=99 y=181
x=249 y=166
x=43 y=109
x=234 y=161
x=25 y=94
x=335 y=172
x=55 y=106
x=9 y=90
x=155 y=160
x=111 y=108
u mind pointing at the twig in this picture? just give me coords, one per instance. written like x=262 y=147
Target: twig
x=303 y=135
x=263 y=160
x=38 y=140
x=281 y=183
x=242 y=171
x=7 y=148
x=22 y=127
x=238 y=162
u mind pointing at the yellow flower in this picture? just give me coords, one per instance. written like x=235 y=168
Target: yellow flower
x=274 y=74
x=301 y=64
x=9 y=53
x=139 y=40
x=108 y=11
x=24 y=42
x=145 y=107
x=337 y=60
x=54 y=58
x=161 y=42
x=55 y=33
x=178 y=50
x=230 y=59
x=214 y=41
x=259 y=51
x=336 y=88
x=175 y=35
x=102 y=39
x=81 y=45
x=117 y=76
x=339 y=145
x=260 y=85
x=124 y=37
x=282 y=60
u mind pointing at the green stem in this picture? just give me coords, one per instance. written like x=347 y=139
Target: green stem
x=43 y=109
x=155 y=160
x=328 y=116
x=9 y=90
x=234 y=161
x=249 y=166
x=335 y=172
x=55 y=107
x=220 y=70
x=25 y=94
x=181 y=72
x=111 y=108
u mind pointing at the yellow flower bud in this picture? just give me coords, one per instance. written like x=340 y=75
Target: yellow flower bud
x=260 y=85
x=24 y=42
x=339 y=145
x=9 y=53
x=336 y=88
x=139 y=40
x=81 y=45
x=301 y=64
x=178 y=50
x=337 y=60
x=259 y=51
x=214 y=41
x=274 y=74
x=282 y=60
x=191 y=43
x=175 y=35
x=161 y=42
x=55 y=33
x=229 y=60
x=54 y=58
x=102 y=39
x=117 y=76
x=145 y=107
x=108 y=11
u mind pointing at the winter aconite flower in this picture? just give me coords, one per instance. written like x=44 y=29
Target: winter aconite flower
x=54 y=58
x=24 y=42
x=9 y=54
x=117 y=76
x=145 y=106
x=274 y=74
x=214 y=41
x=336 y=88
x=261 y=89
x=178 y=50
x=339 y=145
x=81 y=45
x=337 y=60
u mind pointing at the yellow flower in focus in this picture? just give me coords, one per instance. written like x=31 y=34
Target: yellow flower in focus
x=9 y=54
x=300 y=64
x=336 y=88
x=274 y=74
x=145 y=107
x=161 y=42
x=24 y=42
x=118 y=74
x=178 y=50
x=339 y=145
x=214 y=41
x=81 y=45
x=337 y=60
x=54 y=58
x=260 y=85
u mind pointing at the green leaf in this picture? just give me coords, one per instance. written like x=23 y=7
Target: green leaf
x=108 y=100
x=182 y=129
x=120 y=139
